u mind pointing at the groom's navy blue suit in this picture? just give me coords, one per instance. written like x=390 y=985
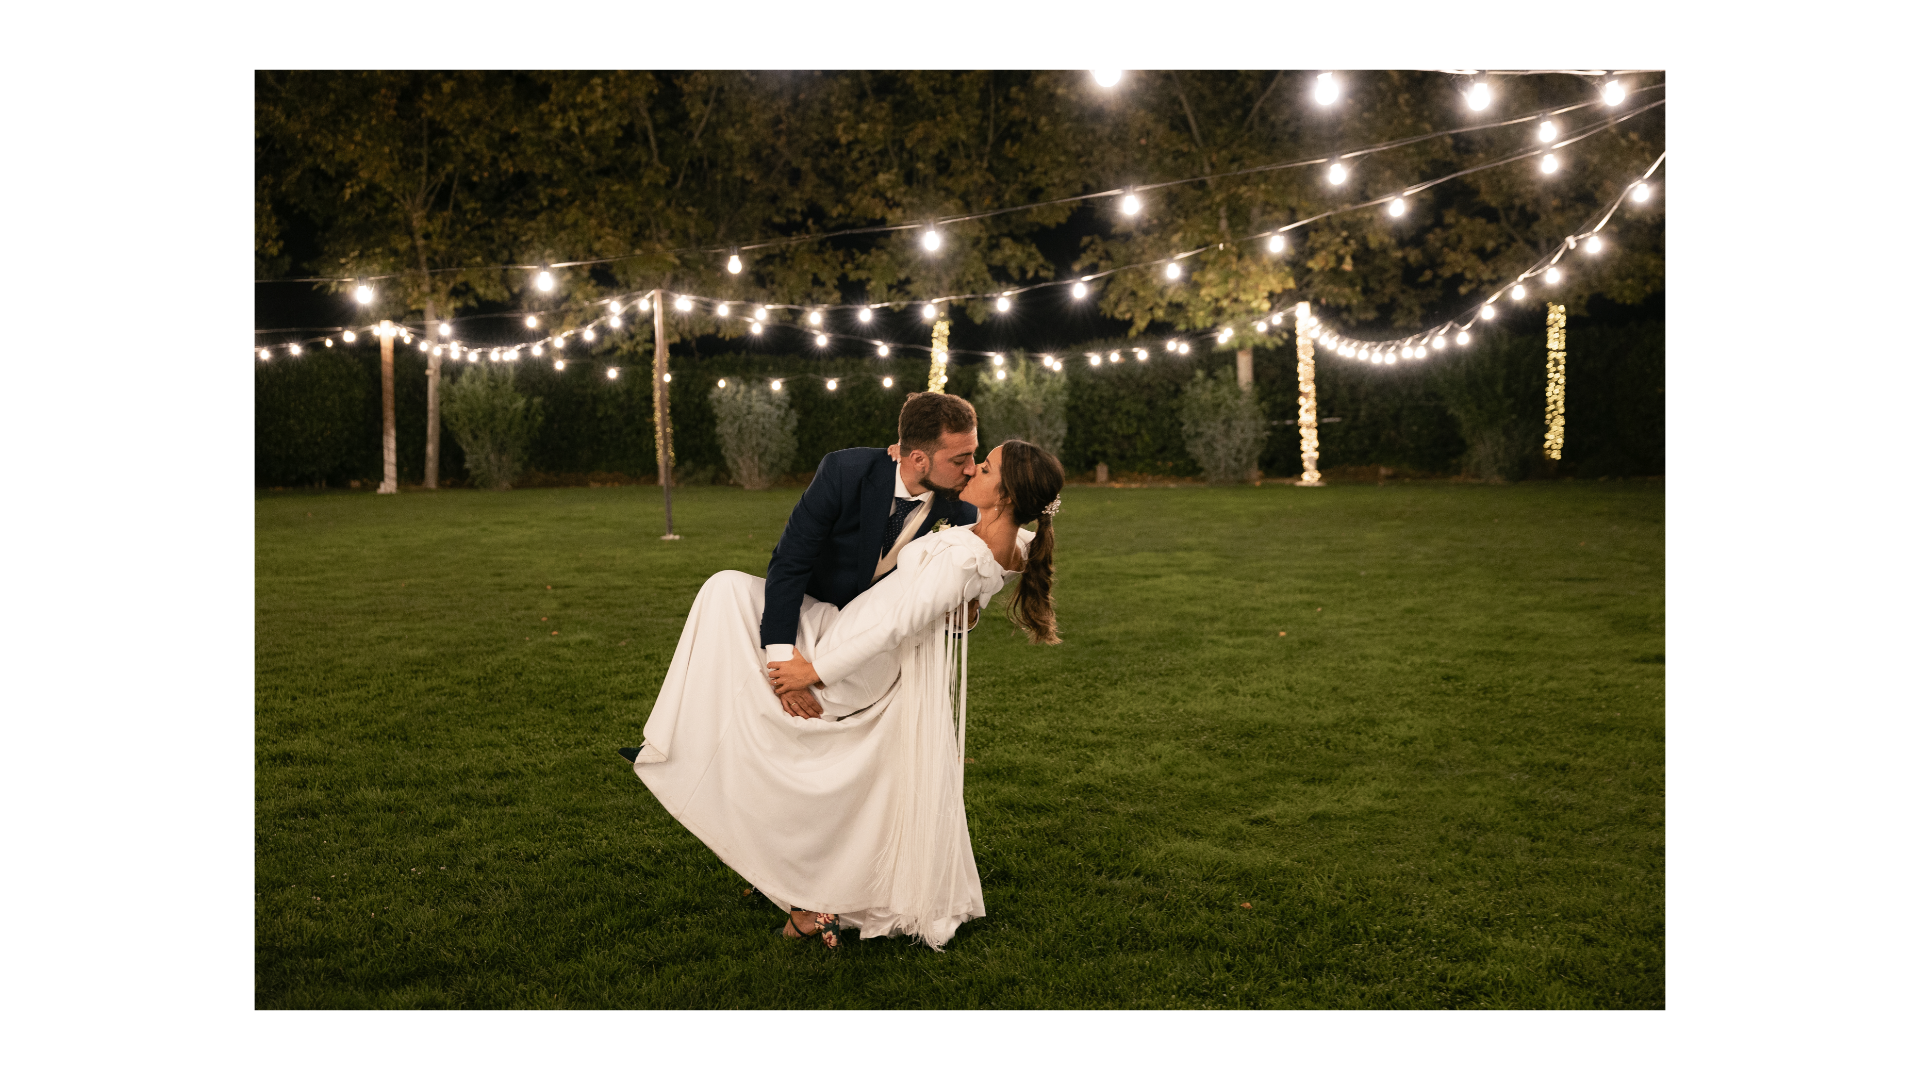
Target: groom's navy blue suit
x=833 y=538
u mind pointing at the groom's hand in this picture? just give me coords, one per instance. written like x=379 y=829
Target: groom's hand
x=790 y=675
x=801 y=703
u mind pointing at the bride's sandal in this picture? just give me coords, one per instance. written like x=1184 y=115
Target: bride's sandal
x=828 y=927
x=798 y=934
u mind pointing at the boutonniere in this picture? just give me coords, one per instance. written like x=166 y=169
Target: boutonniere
x=943 y=523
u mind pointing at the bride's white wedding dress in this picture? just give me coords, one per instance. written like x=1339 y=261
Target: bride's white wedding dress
x=858 y=812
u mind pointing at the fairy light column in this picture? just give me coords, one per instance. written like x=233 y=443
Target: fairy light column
x=1309 y=400
x=937 y=373
x=1556 y=379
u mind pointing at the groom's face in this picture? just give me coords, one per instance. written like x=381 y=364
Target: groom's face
x=951 y=464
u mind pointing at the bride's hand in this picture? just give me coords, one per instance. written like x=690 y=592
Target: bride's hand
x=791 y=675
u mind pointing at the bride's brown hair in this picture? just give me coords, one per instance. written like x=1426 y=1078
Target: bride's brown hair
x=1032 y=478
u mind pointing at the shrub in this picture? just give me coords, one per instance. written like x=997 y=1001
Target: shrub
x=756 y=428
x=1225 y=427
x=1496 y=392
x=493 y=421
x=1028 y=404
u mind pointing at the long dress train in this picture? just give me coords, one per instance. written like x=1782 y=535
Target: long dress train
x=859 y=812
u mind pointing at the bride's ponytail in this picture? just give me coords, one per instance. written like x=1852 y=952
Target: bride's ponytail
x=1032 y=478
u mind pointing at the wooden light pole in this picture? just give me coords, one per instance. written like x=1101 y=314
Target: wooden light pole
x=662 y=419
x=432 y=477
x=389 y=448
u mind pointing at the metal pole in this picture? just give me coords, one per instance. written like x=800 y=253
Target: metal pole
x=1309 y=398
x=389 y=448
x=662 y=418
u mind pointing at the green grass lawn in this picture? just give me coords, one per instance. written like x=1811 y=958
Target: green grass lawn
x=1443 y=787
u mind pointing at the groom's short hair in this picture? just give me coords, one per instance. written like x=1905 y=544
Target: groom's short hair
x=927 y=416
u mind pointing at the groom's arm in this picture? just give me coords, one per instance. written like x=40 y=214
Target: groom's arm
x=794 y=557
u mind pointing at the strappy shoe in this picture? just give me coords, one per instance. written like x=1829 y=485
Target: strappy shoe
x=825 y=927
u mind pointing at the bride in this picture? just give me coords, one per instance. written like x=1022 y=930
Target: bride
x=854 y=818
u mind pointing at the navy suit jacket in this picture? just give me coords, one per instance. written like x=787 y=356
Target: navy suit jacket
x=832 y=539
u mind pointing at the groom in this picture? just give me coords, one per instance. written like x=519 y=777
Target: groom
x=862 y=508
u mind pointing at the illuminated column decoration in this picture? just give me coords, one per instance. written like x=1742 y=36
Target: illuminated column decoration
x=1309 y=400
x=937 y=374
x=1556 y=379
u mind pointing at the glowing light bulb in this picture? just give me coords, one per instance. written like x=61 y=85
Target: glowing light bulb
x=1130 y=204
x=1420 y=353
x=760 y=314
x=1107 y=77
x=513 y=354
x=1462 y=338
x=423 y=345
x=1641 y=193
x=684 y=303
x=755 y=327
x=1048 y=360
x=820 y=340
x=265 y=355
x=587 y=334
x=1003 y=305
x=1336 y=173
x=1479 y=96
x=733 y=263
x=1079 y=290
x=560 y=342
x=536 y=348
x=1185 y=348
x=1397 y=207
x=930 y=240
x=887 y=381
x=720 y=310
x=532 y=322
x=998 y=360
x=1549 y=131
x=833 y=384
x=1140 y=355
x=1519 y=292
x=1276 y=243
x=646 y=303
x=1553 y=275
x=494 y=356
x=1593 y=244
x=1549 y=164
x=294 y=349
x=613 y=373
x=883 y=351
x=813 y=318
x=1613 y=93
x=1173 y=271
x=1326 y=90
x=866 y=315
x=543 y=281
x=559 y=365
x=446 y=330
x=363 y=294
x=1226 y=335
x=928 y=312
x=1486 y=312
x=1260 y=327
x=776 y=384
x=1173 y=344
x=613 y=307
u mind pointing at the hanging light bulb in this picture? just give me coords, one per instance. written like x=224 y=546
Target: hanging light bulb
x=930 y=240
x=1276 y=243
x=1130 y=204
x=513 y=354
x=494 y=356
x=613 y=307
x=1641 y=193
x=1226 y=335
x=1093 y=359
x=1260 y=327
x=833 y=384
x=1003 y=305
x=998 y=359
x=1549 y=164
x=532 y=322
x=733 y=263
x=560 y=342
x=423 y=345
x=820 y=340
x=587 y=334
x=1420 y=352
x=813 y=318
x=1326 y=90
x=1107 y=77
x=1185 y=348
x=1553 y=275
x=1397 y=207
x=887 y=381
x=1462 y=338
x=684 y=303
x=1336 y=173
x=446 y=330
x=865 y=315
x=1519 y=292
x=1549 y=131
x=1486 y=312
x=883 y=351
x=1140 y=355
x=1001 y=375
x=776 y=384
x=754 y=327
x=721 y=310
x=1079 y=290
x=1613 y=93
x=1173 y=271
x=536 y=348
x=349 y=337
x=646 y=303
x=760 y=314
x=363 y=293
x=1593 y=244
x=928 y=312
x=265 y=355
x=613 y=373
x=1479 y=96
x=543 y=281
x=1440 y=343
x=294 y=349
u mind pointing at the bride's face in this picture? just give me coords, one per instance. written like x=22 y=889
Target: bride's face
x=983 y=490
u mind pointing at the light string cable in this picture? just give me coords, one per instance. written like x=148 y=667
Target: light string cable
x=936 y=222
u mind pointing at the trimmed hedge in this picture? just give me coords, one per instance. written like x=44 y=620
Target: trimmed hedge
x=317 y=416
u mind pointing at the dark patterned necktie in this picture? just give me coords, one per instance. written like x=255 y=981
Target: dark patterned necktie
x=901 y=508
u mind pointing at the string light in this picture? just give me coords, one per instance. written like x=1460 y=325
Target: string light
x=1093 y=359
x=1326 y=90
x=1276 y=243
x=1107 y=77
x=543 y=281
x=723 y=384
x=1519 y=292
x=1079 y=290
x=1185 y=348
x=754 y=327
x=1114 y=357
x=720 y=311
x=684 y=303
x=1479 y=96
x=1593 y=244
x=1226 y=335
x=1173 y=271
x=1641 y=193
x=998 y=359
x=532 y=322
x=820 y=341
x=1260 y=327
x=1613 y=94
x=866 y=315
x=833 y=384
x=538 y=350
x=733 y=266
x=613 y=373
x=1549 y=131
x=1440 y=343
x=930 y=240
x=1001 y=375
x=560 y=342
x=1486 y=312
x=928 y=312
x=1553 y=275
x=887 y=381
x=760 y=314
x=446 y=330
x=1420 y=353
x=423 y=345
x=883 y=351
x=1003 y=305
x=1462 y=338
x=265 y=354
x=1397 y=207
x=1549 y=164
x=1130 y=204
x=363 y=294
x=1336 y=173
x=776 y=384
x=294 y=349
x=587 y=334
x=813 y=318
x=646 y=303
x=1140 y=355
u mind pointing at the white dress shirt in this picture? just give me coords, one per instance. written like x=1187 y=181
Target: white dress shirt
x=785 y=652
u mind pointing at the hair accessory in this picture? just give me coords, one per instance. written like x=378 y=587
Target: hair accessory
x=1053 y=507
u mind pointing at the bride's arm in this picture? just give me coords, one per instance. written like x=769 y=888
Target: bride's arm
x=944 y=580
